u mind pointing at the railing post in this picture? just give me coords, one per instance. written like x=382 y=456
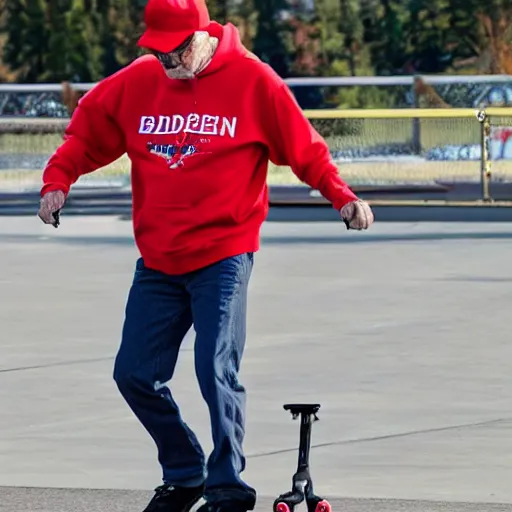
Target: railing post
x=485 y=160
x=416 y=127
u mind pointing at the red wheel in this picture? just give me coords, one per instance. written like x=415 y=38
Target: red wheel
x=323 y=506
x=283 y=507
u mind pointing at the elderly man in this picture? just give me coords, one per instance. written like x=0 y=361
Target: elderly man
x=199 y=118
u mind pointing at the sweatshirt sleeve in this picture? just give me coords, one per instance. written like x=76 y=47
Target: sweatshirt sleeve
x=92 y=140
x=295 y=143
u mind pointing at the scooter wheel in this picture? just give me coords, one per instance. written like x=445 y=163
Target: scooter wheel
x=323 y=506
x=282 y=507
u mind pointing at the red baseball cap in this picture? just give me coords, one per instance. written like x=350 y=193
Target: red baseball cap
x=170 y=22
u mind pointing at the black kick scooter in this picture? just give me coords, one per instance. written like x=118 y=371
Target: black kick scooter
x=302 y=485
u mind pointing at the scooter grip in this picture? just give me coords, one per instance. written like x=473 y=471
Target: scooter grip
x=56 y=216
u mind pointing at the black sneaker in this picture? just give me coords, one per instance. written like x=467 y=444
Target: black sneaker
x=171 y=498
x=224 y=506
x=228 y=500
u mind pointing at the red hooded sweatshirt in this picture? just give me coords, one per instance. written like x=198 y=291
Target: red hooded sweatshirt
x=199 y=151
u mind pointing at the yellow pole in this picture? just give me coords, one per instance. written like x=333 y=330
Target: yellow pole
x=485 y=160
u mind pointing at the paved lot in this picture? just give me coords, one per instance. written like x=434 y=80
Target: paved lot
x=402 y=334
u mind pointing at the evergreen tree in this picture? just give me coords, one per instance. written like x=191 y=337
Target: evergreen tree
x=27 y=38
x=268 y=42
x=84 y=59
x=219 y=10
x=430 y=29
x=386 y=34
x=85 y=40
x=57 y=55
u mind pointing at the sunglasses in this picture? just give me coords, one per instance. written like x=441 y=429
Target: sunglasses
x=172 y=60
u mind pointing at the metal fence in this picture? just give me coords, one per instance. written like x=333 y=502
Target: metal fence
x=337 y=81
x=45 y=101
x=117 y=200
x=460 y=91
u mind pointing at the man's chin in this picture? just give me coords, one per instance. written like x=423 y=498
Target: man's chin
x=179 y=74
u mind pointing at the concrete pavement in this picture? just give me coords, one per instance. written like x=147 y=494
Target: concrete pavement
x=401 y=333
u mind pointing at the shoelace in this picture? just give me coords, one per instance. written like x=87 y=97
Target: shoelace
x=164 y=490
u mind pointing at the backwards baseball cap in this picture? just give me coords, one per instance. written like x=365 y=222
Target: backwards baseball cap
x=170 y=22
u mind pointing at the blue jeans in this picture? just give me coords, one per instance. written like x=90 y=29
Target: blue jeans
x=159 y=312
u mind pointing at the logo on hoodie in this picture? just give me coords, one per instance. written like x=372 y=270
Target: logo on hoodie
x=192 y=133
x=199 y=124
x=183 y=148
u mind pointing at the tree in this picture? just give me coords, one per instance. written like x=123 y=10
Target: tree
x=484 y=34
x=27 y=38
x=84 y=58
x=219 y=10
x=268 y=42
x=386 y=34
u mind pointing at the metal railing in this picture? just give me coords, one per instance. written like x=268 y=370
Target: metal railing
x=483 y=116
x=117 y=201
x=337 y=81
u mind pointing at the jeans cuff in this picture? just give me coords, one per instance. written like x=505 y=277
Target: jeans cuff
x=194 y=481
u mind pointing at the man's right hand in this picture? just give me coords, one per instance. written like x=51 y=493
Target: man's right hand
x=51 y=203
x=357 y=215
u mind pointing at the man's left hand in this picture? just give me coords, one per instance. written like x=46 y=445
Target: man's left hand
x=357 y=215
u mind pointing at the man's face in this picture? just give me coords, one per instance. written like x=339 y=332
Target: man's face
x=177 y=64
